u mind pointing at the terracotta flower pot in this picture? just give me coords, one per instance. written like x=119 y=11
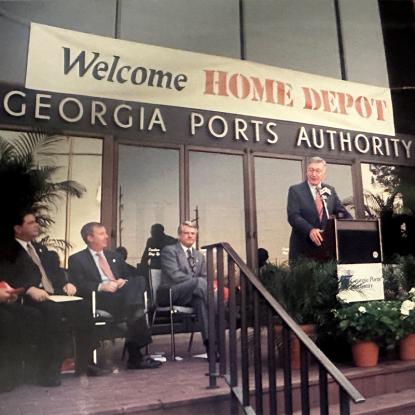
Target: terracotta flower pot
x=365 y=353
x=309 y=329
x=407 y=347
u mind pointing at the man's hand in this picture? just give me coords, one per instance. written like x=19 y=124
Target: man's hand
x=69 y=289
x=316 y=236
x=37 y=294
x=121 y=282
x=109 y=286
x=6 y=296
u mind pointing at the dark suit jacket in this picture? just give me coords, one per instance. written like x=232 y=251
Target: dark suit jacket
x=21 y=271
x=175 y=266
x=303 y=216
x=84 y=274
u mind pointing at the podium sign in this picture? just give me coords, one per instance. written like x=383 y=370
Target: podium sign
x=360 y=282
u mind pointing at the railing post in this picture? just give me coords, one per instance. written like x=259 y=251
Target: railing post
x=324 y=401
x=305 y=396
x=344 y=402
x=272 y=375
x=257 y=356
x=233 y=367
x=288 y=398
x=211 y=320
x=221 y=310
x=244 y=344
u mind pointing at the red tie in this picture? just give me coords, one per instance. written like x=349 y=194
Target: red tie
x=105 y=268
x=319 y=204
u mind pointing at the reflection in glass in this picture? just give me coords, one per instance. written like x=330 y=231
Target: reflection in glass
x=389 y=194
x=273 y=177
x=216 y=189
x=340 y=176
x=78 y=159
x=379 y=190
x=148 y=193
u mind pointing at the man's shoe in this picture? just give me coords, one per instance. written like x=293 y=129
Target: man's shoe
x=145 y=363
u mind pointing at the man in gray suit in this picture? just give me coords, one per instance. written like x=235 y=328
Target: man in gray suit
x=184 y=271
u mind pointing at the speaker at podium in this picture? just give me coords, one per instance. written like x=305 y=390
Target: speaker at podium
x=350 y=241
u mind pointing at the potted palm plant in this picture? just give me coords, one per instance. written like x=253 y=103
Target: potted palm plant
x=307 y=291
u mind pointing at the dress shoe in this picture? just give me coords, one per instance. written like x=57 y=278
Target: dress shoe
x=145 y=363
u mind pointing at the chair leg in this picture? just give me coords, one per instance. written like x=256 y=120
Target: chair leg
x=189 y=346
x=172 y=342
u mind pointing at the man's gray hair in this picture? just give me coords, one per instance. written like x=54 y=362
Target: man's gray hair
x=187 y=223
x=316 y=160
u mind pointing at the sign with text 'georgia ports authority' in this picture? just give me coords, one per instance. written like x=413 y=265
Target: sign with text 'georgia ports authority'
x=61 y=60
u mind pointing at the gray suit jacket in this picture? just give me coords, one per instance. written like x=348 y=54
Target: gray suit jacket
x=175 y=266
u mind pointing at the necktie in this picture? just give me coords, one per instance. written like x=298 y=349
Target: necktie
x=191 y=260
x=319 y=204
x=105 y=268
x=47 y=285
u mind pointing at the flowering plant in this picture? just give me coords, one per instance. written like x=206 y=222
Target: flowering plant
x=376 y=321
x=407 y=314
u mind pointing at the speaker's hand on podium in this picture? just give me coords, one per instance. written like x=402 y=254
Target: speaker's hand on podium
x=316 y=236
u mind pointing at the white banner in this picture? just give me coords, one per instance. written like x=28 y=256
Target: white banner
x=66 y=61
x=360 y=282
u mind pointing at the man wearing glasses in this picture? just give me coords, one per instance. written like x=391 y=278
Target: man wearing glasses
x=310 y=204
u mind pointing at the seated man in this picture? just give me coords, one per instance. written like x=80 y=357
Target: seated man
x=103 y=271
x=184 y=271
x=31 y=266
x=21 y=328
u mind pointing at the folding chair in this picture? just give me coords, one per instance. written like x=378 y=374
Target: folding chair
x=172 y=309
x=110 y=329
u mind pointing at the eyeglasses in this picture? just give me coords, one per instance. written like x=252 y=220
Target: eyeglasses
x=318 y=171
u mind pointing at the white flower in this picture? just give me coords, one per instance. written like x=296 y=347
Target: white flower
x=412 y=290
x=406 y=307
x=362 y=309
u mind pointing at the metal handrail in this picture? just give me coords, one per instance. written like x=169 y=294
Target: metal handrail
x=347 y=390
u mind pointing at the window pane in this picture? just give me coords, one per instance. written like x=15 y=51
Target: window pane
x=79 y=159
x=340 y=176
x=389 y=194
x=273 y=177
x=216 y=189
x=148 y=180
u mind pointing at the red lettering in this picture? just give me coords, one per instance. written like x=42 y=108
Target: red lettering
x=312 y=99
x=363 y=107
x=215 y=86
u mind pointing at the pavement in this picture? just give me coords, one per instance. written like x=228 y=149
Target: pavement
x=122 y=391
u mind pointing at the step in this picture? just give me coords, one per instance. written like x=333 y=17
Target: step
x=399 y=403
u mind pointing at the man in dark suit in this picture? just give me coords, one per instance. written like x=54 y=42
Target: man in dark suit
x=184 y=271
x=121 y=294
x=310 y=204
x=20 y=328
x=31 y=266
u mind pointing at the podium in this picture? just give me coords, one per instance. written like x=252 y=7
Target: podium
x=356 y=246
x=350 y=241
